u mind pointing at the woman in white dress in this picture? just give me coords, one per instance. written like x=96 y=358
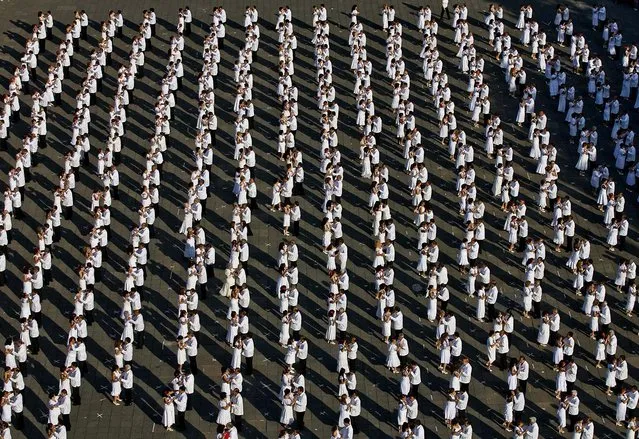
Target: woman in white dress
x=344 y=410
x=287 y=418
x=229 y=283
x=236 y=357
x=366 y=162
x=611 y=377
x=431 y=305
x=116 y=385
x=561 y=417
x=631 y=428
x=450 y=406
x=443 y=344
x=422 y=263
x=622 y=407
x=392 y=358
x=168 y=416
x=520 y=118
x=331 y=330
x=381 y=304
x=342 y=358
x=189 y=245
x=285 y=329
x=480 y=313
x=508 y=413
x=498 y=181
x=386 y=325
x=462 y=256
x=181 y=352
x=582 y=163
x=600 y=352
x=224 y=415
x=491 y=349
x=561 y=385
x=631 y=298
x=187 y=222
x=544 y=330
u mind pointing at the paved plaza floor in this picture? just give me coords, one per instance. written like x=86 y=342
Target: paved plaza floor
x=379 y=389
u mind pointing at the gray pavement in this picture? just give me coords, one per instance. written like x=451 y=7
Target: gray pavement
x=379 y=389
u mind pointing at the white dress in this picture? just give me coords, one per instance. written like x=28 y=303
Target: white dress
x=450 y=409
x=224 y=415
x=392 y=360
x=331 y=330
x=342 y=360
x=116 y=386
x=431 y=305
x=544 y=333
x=287 y=417
x=582 y=163
x=168 y=417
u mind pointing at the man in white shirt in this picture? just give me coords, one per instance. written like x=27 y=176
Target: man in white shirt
x=465 y=374
x=127 y=384
x=356 y=409
x=301 y=355
x=191 y=351
x=523 y=369
x=299 y=407
x=573 y=410
x=296 y=323
x=462 y=403
x=402 y=349
x=347 y=431
x=248 y=351
x=571 y=376
x=532 y=429
x=138 y=328
x=237 y=408
x=17 y=407
x=519 y=404
x=75 y=379
x=180 y=409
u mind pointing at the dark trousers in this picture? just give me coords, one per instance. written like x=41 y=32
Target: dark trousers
x=296 y=228
x=355 y=424
x=352 y=364
x=24 y=368
x=490 y=311
x=127 y=395
x=35 y=345
x=88 y=314
x=18 y=420
x=66 y=420
x=239 y=422
x=536 y=309
x=76 y=399
x=518 y=415
x=414 y=389
x=68 y=212
x=193 y=364
x=502 y=361
x=299 y=419
x=180 y=421
x=249 y=366
x=402 y=360
x=522 y=384
x=300 y=366
x=572 y=420
x=441 y=14
x=139 y=339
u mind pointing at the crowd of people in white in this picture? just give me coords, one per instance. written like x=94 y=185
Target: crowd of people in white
x=200 y=256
